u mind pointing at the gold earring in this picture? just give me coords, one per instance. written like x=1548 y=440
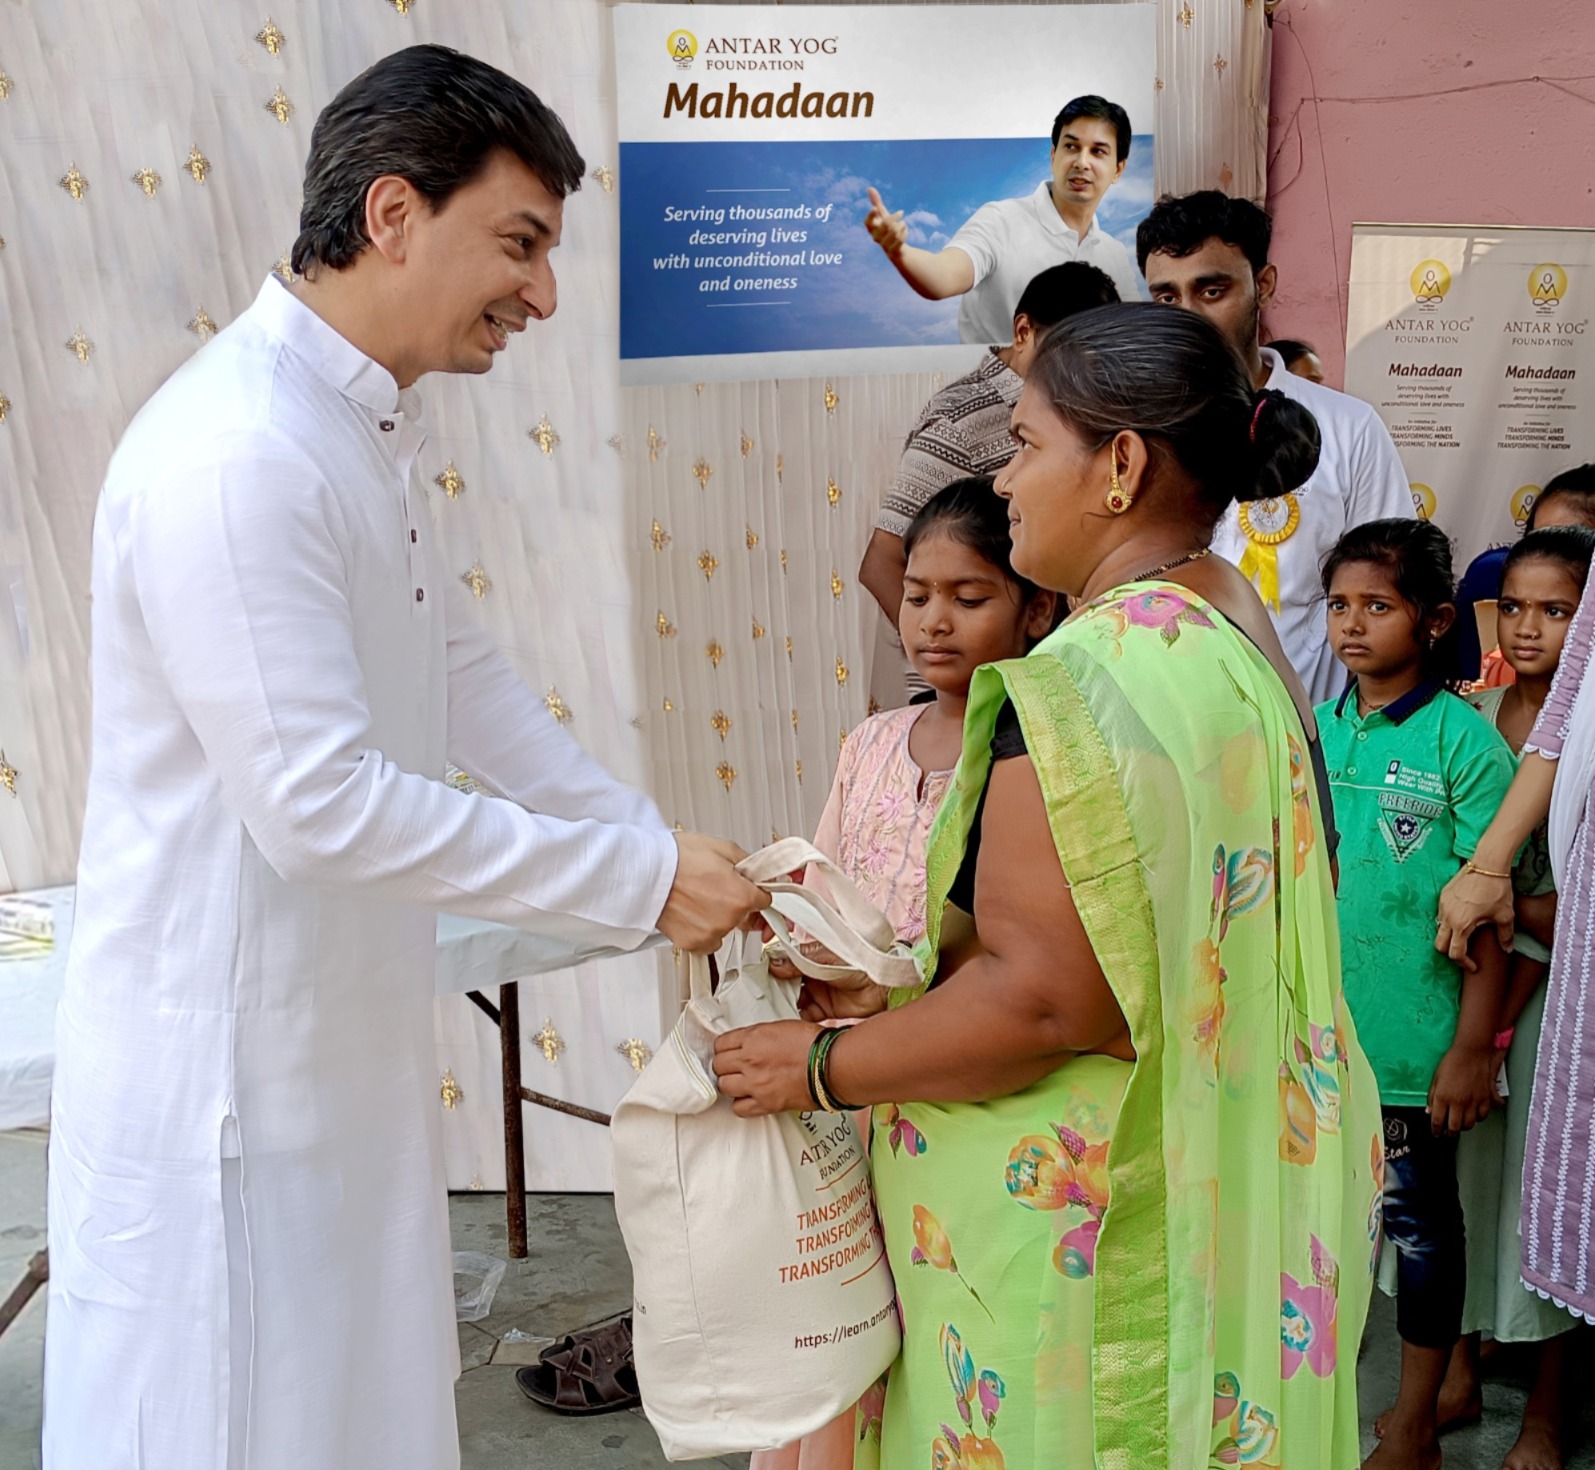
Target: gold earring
x=1118 y=501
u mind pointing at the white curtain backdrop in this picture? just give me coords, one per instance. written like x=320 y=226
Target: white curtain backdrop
x=152 y=85
x=673 y=568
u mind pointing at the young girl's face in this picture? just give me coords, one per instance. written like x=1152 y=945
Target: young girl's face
x=1537 y=602
x=1556 y=509
x=1374 y=631
x=959 y=612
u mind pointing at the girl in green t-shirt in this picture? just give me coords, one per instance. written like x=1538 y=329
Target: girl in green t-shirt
x=1417 y=775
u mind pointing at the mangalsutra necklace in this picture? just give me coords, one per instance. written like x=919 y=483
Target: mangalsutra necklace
x=1169 y=566
x=1146 y=576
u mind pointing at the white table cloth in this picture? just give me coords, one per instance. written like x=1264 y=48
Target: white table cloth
x=561 y=1153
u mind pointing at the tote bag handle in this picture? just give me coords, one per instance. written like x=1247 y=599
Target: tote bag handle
x=847 y=924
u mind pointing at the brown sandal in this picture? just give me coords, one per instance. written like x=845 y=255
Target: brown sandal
x=590 y=1371
x=611 y=1335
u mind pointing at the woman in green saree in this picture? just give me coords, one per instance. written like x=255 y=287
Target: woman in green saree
x=1126 y=1146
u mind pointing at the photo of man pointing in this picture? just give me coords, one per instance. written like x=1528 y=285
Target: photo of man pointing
x=1006 y=243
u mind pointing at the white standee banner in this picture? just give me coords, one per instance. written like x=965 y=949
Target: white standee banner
x=1474 y=344
x=750 y=135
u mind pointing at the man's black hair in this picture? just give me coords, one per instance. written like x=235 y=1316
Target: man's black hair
x=1093 y=106
x=428 y=115
x=1062 y=290
x=1180 y=226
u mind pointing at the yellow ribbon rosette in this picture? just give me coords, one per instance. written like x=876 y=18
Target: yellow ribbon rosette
x=1267 y=525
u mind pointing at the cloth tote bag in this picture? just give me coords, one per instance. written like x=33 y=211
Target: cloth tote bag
x=763 y=1306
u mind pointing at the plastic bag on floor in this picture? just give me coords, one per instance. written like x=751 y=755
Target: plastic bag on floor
x=476 y=1279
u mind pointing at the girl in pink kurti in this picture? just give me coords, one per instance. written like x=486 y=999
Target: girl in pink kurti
x=963 y=606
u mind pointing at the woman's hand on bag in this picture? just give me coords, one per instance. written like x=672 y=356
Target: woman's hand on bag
x=765 y=1069
x=782 y=966
x=849 y=999
x=1466 y=902
x=822 y=1000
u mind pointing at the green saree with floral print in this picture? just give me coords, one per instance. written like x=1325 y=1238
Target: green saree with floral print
x=1165 y=1263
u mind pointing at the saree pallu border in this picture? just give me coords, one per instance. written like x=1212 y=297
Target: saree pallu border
x=1130 y=1346
x=1088 y=819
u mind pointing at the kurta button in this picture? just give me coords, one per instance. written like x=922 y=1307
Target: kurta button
x=413 y=538
x=420 y=596
x=386 y=425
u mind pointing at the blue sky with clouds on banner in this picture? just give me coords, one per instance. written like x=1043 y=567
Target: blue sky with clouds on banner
x=860 y=302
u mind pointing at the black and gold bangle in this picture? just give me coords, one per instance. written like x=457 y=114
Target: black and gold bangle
x=822 y=1043
x=823 y=1078
x=820 y=1050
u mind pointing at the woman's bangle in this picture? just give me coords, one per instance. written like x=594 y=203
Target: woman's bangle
x=1472 y=867
x=817 y=1054
x=820 y=1093
x=1503 y=1038
x=833 y=1103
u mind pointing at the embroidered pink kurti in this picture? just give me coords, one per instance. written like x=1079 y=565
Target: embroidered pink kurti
x=877 y=820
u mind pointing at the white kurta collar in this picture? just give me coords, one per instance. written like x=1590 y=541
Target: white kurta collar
x=1052 y=222
x=331 y=356
x=1279 y=375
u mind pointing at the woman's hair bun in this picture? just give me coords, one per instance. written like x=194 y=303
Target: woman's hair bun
x=1284 y=443
x=1173 y=378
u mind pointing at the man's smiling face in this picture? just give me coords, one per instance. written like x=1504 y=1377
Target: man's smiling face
x=478 y=268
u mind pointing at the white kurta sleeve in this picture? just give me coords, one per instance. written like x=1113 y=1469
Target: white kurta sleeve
x=242 y=579
x=1379 y=487
x=502 y=734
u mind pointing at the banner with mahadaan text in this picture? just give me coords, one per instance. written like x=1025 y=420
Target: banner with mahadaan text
x=750 y=136
x=1474 y=344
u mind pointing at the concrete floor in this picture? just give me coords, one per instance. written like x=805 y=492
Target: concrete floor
x=578 y=1273
x=22 y=1348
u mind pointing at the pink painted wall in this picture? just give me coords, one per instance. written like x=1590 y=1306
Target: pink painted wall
x=1366 y=124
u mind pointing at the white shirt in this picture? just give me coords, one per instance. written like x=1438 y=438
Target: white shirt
x=1359 y=479
x=282 y=667
x=1010 y=242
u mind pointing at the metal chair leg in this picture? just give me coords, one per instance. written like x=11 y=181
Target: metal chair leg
x=509 y=1033
x=506 y=1015
x=38 y=1273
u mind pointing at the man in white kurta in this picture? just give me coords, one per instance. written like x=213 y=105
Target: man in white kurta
x=248 y=1224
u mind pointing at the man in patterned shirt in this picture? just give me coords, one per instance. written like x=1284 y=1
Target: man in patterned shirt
x=963 y=430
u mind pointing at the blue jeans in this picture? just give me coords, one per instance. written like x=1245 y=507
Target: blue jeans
x=1423 y=1221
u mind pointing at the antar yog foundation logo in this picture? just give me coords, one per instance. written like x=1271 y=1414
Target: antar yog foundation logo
x=1423 y=501
x=683 y=46
x=1523 y=499
x=1430 y=283
x=1547 y=287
